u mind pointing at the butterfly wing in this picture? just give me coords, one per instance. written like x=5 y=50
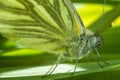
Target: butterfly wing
x=40 y=24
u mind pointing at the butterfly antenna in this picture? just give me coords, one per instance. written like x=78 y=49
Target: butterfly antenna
x=102 y=17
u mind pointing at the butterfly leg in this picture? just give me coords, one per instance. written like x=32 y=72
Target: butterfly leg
x=53 y=67
x=75 y=66
x=97 y=60
x=101 y=57
x=78 y=56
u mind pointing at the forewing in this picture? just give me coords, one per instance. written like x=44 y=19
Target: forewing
x=39 y=24
x=77 y=20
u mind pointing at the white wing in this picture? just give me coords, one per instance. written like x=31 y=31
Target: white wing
x=40 y=24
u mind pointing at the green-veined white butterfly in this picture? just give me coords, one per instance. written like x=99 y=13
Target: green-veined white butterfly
x=50 y=25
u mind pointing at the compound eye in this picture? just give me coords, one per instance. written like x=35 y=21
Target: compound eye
x=93 y=41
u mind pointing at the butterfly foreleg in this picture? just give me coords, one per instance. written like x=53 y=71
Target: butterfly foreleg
x=98 y=55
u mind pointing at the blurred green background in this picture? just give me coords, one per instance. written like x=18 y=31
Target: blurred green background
x=12 y=57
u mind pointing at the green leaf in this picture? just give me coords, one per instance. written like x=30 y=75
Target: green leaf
x=109 y=17
x=89 y=70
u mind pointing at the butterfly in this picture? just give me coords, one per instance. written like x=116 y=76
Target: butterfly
x=50 y=25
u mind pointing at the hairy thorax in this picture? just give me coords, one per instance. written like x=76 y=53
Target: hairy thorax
x=82 y=46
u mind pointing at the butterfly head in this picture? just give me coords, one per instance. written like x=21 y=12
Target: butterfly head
x=88 y=43
x=95 y=41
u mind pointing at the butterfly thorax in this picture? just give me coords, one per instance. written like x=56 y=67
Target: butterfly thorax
x=83 y=45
